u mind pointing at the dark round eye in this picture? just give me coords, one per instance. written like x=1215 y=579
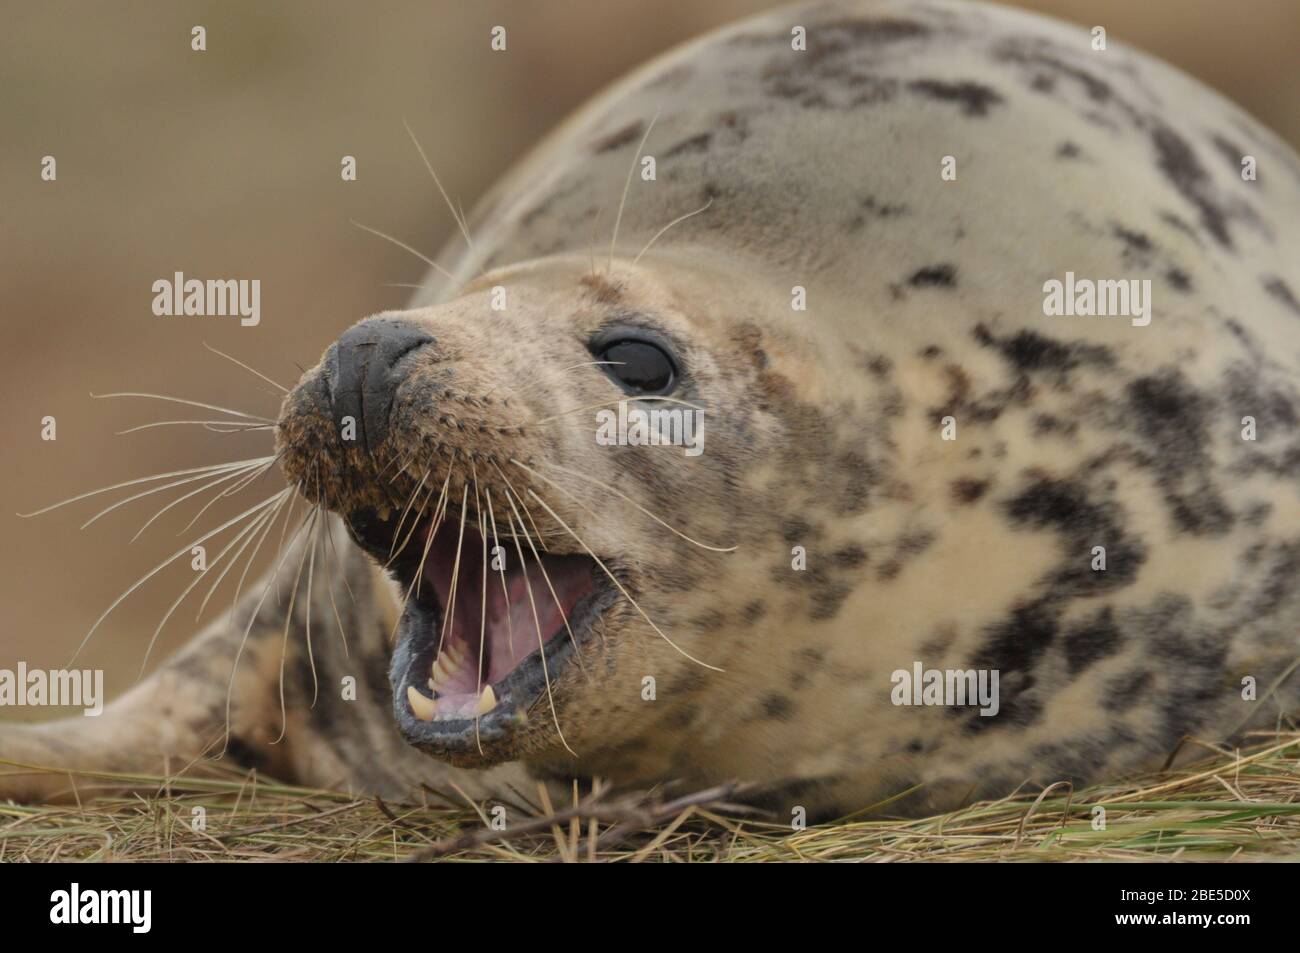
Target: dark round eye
x=640 y=367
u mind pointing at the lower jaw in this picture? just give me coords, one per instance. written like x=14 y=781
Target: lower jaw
x=522 y=719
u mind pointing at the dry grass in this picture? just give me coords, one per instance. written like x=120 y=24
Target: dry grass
x=1233 y=806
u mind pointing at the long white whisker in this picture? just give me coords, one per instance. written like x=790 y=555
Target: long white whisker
x=619 y=585
x=401 y=244
x=190 y=588
x=678 y=219
x=459 y=217
x=505 y=591
x=189 y=403
x=546 y=675
x=256 y=373
x=309 y=522
x=210 y=468
x=234 y=471
x=167 y=562
x=547 y=579
x=606 y=403
x=236 y=426
x=618 y=220
x=622 y=496
x=182 y=499
x=243 y=642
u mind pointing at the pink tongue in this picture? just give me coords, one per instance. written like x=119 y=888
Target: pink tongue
x=516 y=626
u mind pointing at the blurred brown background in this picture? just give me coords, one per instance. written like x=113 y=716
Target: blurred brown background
x=226 y=164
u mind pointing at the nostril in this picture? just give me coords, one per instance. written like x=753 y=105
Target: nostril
x=363 y=373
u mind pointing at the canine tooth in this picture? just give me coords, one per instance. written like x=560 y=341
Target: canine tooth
x=385 y=512
x=486 y=702
x=425 y=709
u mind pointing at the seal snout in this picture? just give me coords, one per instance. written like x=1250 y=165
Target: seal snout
x=363 y=369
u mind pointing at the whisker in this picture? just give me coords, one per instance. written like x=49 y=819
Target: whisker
x=458 y=216
x=210 y=468
x=309 y=523
x=167 y=562
x=419 y=572
x=311 y=569
x=505 y=592
x=627 y=187
x=619 y=585
x=546 y=675
x=230 y=491
x=233 y=471
x=559 y=605
x=330 y=575
x=450 y=609
x=625 y=497
x=181 y=499
x=402 y=518
x=616 y=400
x=243 y=642
x=511 y=488
x=415 y=522
x=188 y=403
x=144 y=663
x=258 y=522
x=401 y=244
x=276 y=510
x=236 y=426
x=658 y=234
x=482 y=610
x=536 y=382
x=234 y=360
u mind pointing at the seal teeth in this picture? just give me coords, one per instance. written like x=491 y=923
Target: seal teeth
x=425 y=709
x=486 y=702
x=449 y=661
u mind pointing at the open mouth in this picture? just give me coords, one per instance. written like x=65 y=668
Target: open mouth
x=484 y=634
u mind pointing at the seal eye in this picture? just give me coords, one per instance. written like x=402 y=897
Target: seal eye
x=641 y=367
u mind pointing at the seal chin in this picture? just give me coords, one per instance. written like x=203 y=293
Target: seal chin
x=483 y=639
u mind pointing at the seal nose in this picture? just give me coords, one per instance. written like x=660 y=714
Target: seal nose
x=363 y=374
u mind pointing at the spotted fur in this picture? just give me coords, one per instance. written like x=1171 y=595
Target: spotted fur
x=822 y=169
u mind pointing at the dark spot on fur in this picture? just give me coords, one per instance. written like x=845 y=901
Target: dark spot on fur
x=1280 y=290
x=795 y=530
x=974 y=98
x=1230 y=151
x=1173 y=419
x=1029 y=351
x=1181 y=167
x=1179 y=280
x=630 y=133
x=850 y=557
x=1137 y=246
x=967 y=490
x=680 y=717
x=778 y=707
x=753 y=612
x=698 y=143
x=1094 y=639
x=934 y=276
x=1068 y=150
x=709 y=621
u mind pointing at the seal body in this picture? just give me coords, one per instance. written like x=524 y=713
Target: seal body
x=932 y=449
